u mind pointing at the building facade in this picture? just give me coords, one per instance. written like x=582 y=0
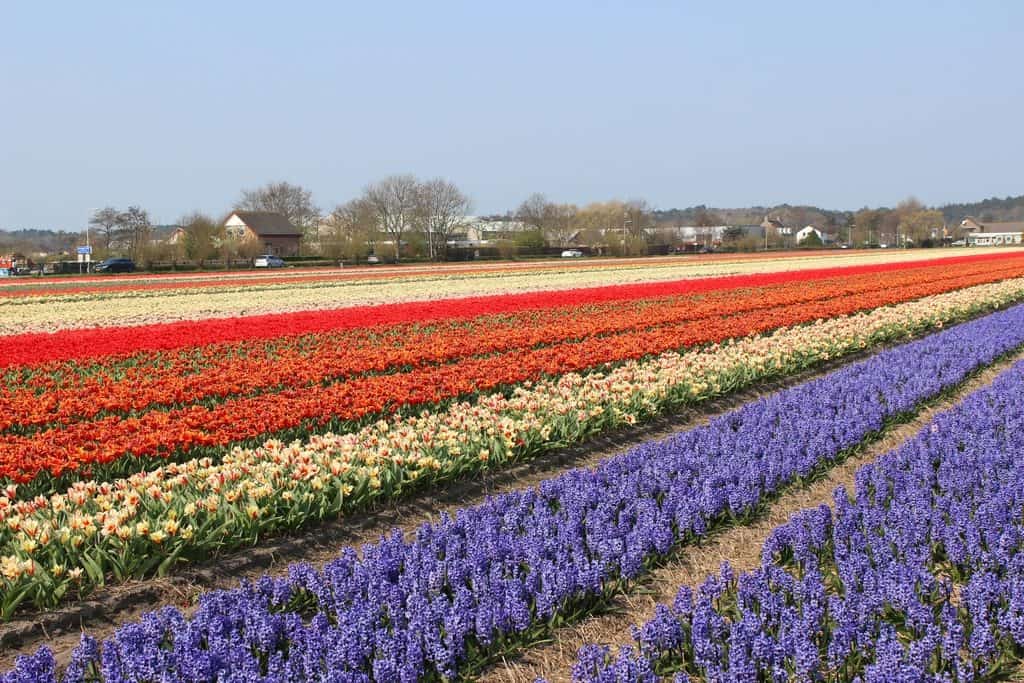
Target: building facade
x=992 y=233
x=272 y=231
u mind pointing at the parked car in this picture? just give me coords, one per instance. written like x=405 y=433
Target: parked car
x=572 y=253
x=268 y=261
x=372 y=260
x=115 y=265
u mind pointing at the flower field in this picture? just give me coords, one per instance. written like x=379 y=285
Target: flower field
x=202 y=400
x=915 y=576
x=145 y=443
x=465 y=586
x=46 y=308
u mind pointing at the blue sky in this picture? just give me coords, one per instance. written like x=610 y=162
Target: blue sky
x=179 y=106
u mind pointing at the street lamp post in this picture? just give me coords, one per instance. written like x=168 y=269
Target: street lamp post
x=88 y=244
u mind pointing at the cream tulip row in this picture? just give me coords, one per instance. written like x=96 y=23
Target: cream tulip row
x=465 y=267
x=143 y=307
x=144 y=524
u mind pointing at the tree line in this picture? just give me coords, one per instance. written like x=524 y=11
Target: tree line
x=909 y=224
x=128 y=230
x=402 y=215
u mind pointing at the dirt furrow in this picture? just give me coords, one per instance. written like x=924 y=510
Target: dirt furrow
x=740 y=546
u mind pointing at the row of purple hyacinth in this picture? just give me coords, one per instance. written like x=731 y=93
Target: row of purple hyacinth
x=919 y=578
x=498 y=575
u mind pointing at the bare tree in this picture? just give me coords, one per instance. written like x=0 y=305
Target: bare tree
x=639 y=219
x=440 y=209
x=394 y=202
x=350 y=231
x=292 y=201
x=134 y=229
x=889 y=227
x=707 y=219
x=910 y=205
x=105 y=223
x=557 y=222
x=561 y=223
x=534 y=211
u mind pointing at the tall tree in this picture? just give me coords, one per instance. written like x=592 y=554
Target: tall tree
x=105 y=223
x=441 y=208
x=350 y=231
x=904 y=209
x=134 y=230
x=534 y=211
x=889 y=227
x=910 y=205
x=203 y=236
x=707 y=219
x=560 y=224
x=555 y=221
x=394 y=201
x=292 y=201
x=922 y=227
x=638 y=217
x=866 y=226
x=595 y=221
x=613 y=223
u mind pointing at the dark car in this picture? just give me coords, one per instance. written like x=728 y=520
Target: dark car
x=115 y=265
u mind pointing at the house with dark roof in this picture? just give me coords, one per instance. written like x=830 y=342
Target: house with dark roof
x=272 y=231
x=992 y=233
x=775 y=226
x=972 y=224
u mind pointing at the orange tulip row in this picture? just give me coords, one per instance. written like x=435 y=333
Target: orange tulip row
x=157 y=433
x=67 y=394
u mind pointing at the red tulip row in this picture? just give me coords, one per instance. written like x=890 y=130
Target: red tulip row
x=160 y=433
x=42 y=348
x=68 y=394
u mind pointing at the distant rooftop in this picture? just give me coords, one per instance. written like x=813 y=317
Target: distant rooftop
x=266 y=223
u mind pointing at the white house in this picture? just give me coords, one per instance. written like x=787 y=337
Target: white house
x=693 y=234
x=775 y=226
x=806 y=232
x=991 y=234
x=477 y=231
x=994 y=239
